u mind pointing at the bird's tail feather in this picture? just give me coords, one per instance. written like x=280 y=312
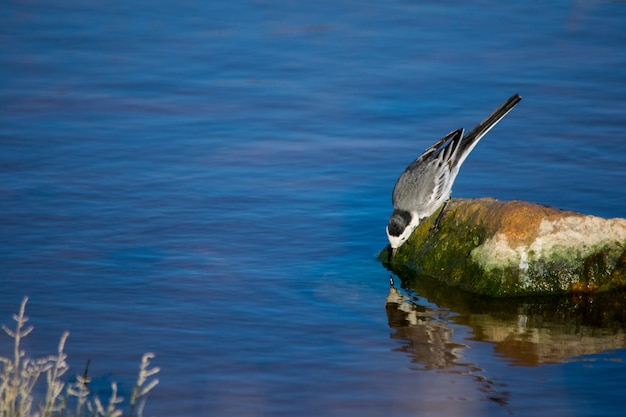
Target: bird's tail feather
x=471 y=139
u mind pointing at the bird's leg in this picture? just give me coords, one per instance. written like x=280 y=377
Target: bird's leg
x=435 y=226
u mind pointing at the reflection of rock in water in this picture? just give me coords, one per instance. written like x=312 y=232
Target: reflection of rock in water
x=532 y=331
x=428 y=340
x=541 y=340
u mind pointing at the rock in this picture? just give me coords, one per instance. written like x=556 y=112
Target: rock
x=510 y=248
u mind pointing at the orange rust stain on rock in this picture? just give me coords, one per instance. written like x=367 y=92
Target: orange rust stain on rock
x=518 y=220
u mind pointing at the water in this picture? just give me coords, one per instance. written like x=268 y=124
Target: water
x=211 y=182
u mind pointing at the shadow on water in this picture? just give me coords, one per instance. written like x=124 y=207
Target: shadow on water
x=524 y=331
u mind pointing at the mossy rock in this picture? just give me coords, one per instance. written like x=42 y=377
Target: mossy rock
x=511 y=248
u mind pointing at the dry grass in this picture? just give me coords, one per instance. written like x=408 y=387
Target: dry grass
x=19 y=375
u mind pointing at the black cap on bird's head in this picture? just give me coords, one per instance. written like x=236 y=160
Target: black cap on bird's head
x=398 y=222
x=401 y=225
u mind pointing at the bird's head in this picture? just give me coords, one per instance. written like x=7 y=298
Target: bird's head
x=401 y=225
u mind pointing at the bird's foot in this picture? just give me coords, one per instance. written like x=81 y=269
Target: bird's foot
x=435 y=226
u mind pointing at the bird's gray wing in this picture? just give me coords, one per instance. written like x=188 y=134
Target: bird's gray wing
x=437 y=146
x=428 y=179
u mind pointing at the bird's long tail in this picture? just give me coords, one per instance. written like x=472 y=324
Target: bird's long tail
x=471 y=139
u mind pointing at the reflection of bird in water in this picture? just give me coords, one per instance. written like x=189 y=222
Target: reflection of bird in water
x=429 y=337
x=400 y=312
x=428 y=340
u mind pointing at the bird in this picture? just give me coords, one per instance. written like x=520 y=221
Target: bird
x=426 y=184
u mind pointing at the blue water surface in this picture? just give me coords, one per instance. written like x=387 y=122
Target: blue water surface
x=210 y=181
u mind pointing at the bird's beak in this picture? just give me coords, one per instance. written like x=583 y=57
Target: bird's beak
x=390 y=252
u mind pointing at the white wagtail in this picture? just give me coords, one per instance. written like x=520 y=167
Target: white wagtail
x=426 y=183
